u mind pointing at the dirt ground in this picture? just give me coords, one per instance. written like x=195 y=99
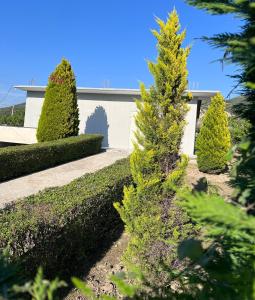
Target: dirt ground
x=98 y=276
x=197 y=180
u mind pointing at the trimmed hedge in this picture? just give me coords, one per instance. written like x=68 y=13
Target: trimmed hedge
x=59 y=227
x=20 y=160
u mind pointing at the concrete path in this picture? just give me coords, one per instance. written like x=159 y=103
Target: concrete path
x=58 y=176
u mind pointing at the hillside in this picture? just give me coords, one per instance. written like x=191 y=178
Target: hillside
x=234 y=103
x=7 y=110
x=230 y=103
x=17 y=119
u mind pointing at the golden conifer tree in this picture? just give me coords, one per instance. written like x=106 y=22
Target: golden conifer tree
x=213 y=141
x=152 y=220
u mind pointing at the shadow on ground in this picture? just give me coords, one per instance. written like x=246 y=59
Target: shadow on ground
x=82 y=269
x=212 y=183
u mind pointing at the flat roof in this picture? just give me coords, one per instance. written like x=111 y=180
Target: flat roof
x=112 y=91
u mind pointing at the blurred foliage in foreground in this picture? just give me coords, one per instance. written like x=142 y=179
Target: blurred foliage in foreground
x=239 y=128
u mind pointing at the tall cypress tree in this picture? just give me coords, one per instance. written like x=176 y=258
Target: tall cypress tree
x=60 y=116
x=152 y=220
x=213 y=141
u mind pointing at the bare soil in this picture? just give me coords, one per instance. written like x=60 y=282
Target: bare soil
x=98 y=277
x=197 y=180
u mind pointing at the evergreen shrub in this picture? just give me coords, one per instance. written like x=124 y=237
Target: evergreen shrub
x=152 y=219
x=239 y=129
x=60 y=116
x=213 y=141
x=20 y=160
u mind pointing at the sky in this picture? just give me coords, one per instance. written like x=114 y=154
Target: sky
x=107 y=42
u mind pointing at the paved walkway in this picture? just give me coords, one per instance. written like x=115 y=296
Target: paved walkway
x=57 y=176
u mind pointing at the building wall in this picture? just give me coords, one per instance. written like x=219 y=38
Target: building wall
x=34 y=102
x=110 y=115
x=189 y=135
x=17 y=135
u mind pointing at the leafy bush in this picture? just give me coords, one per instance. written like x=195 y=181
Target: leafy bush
x=239 y=128
x=9 y=276
x=59 y=117
x=59 y=227
x=226 y=257
x=213 y=141
x=243 y=175
x=13 y=284
x=229 y=258
x=153 y=220
x=19 y=160
x=40 y=288
x=17 y=119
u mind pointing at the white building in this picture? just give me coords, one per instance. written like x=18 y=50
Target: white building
x=106 y=111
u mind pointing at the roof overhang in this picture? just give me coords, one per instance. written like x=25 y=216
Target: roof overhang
x=203 y=94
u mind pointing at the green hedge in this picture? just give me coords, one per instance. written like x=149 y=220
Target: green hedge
x=20 y=160
x=58 y=228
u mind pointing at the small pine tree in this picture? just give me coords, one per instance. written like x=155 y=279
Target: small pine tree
x=60 y=116
x=153 y=221
x=213 y=141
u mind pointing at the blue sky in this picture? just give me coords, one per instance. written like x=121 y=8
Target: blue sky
x=107 y=43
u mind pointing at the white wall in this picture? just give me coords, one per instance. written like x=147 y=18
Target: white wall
x=110 y=115
x=189 y=135
x=34 y=102
x=19 y=135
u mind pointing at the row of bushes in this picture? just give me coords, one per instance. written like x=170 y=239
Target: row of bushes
x=21 y=160
x=59 y=227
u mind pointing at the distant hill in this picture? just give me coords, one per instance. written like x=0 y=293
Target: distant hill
x=8 y=110
x=12 y=119
x=237 y=100
x=230 y=104
x=233 y=103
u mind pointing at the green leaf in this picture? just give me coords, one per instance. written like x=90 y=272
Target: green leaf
x=85 y=290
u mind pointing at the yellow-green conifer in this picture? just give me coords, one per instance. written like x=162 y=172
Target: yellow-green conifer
x=213 y=141
x=154 y=223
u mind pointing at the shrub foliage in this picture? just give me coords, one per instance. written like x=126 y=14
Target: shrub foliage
x=20 y=160
x=154 y=222
x=226 y=266
x=59 y=117
x=15 y=119
x=59 y=227
x=213 y=141
x=239 y=128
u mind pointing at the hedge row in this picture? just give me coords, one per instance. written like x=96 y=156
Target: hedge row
x=59 y=227
x=20 y=160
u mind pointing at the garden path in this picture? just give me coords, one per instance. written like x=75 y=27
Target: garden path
x=58 y=176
